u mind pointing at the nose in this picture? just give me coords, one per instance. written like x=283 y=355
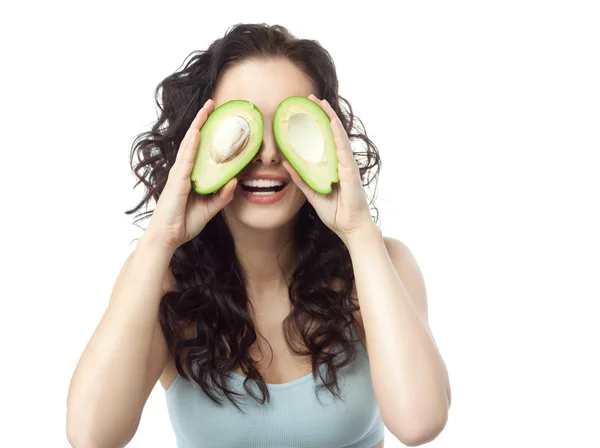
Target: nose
x=269 y=153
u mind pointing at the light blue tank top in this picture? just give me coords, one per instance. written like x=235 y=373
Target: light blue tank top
x=294 y=417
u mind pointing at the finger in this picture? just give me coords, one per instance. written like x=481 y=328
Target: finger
x=194 y=128
x=184 y=161
x=217 y=201
x=343 y=146
x=303 y=186
x=202 y=209
x=327 y=109
x=336 y=124
x=347 y=162
x=342 y=142
x=209 y=107
x=226 y=192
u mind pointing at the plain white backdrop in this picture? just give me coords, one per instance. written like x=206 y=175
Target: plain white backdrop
x=487 y=118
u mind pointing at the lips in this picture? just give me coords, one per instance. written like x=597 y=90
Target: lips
x=263 y=188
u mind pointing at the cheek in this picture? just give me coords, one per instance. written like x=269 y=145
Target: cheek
x=296 y=196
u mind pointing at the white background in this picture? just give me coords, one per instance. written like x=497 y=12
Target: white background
x=487 y=117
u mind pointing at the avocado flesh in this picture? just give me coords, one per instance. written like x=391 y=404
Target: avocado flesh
x=303 y=133
x=210 y=173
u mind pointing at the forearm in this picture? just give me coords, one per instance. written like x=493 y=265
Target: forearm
x=409 y=376
x=110 y=383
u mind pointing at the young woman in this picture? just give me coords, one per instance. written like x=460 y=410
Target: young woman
x=276 y=320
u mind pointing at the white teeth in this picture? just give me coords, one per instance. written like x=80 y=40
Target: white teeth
x=264 y=183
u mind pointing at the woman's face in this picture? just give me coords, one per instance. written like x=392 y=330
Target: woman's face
x=265 y=83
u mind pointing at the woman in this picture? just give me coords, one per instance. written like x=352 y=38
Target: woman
x=287 y=323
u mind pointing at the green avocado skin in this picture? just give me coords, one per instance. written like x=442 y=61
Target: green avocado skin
x=206 y=177
x=318 y=176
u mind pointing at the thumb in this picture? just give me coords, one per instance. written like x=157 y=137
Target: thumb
x=297 y=179
x=217 y=201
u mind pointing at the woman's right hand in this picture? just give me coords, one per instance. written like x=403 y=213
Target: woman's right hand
x=180 y=212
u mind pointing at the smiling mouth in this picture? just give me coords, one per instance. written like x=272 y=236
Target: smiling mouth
x=262 y=186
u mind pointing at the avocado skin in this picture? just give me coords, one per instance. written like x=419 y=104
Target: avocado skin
x=319 y=176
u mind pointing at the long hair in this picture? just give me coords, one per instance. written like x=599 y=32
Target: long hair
x=211 y=291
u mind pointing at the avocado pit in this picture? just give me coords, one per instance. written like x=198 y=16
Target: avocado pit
x=230 y=139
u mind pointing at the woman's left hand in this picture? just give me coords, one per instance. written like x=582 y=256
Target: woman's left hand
x=345 y=210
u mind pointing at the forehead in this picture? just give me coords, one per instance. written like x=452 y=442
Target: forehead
x=264 y=82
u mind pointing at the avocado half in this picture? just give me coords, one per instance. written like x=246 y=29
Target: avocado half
x=229 y=139
x=303 y=133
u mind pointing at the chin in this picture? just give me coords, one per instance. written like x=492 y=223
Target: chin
x=265 y=216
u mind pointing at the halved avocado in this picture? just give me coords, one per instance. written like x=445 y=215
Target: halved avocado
x=229 y=139
x=303 y=133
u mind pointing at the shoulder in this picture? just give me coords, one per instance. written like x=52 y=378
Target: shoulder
x=399 y=252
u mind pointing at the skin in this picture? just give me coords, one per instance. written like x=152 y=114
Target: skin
x=409 y=377
x=263 y=230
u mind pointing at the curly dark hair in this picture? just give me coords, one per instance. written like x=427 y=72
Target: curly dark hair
x=211 y=291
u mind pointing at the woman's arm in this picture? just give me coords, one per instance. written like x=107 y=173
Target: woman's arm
x=125 y=355
x=409 y=377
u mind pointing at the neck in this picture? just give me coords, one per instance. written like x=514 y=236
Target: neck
x=266 y=256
